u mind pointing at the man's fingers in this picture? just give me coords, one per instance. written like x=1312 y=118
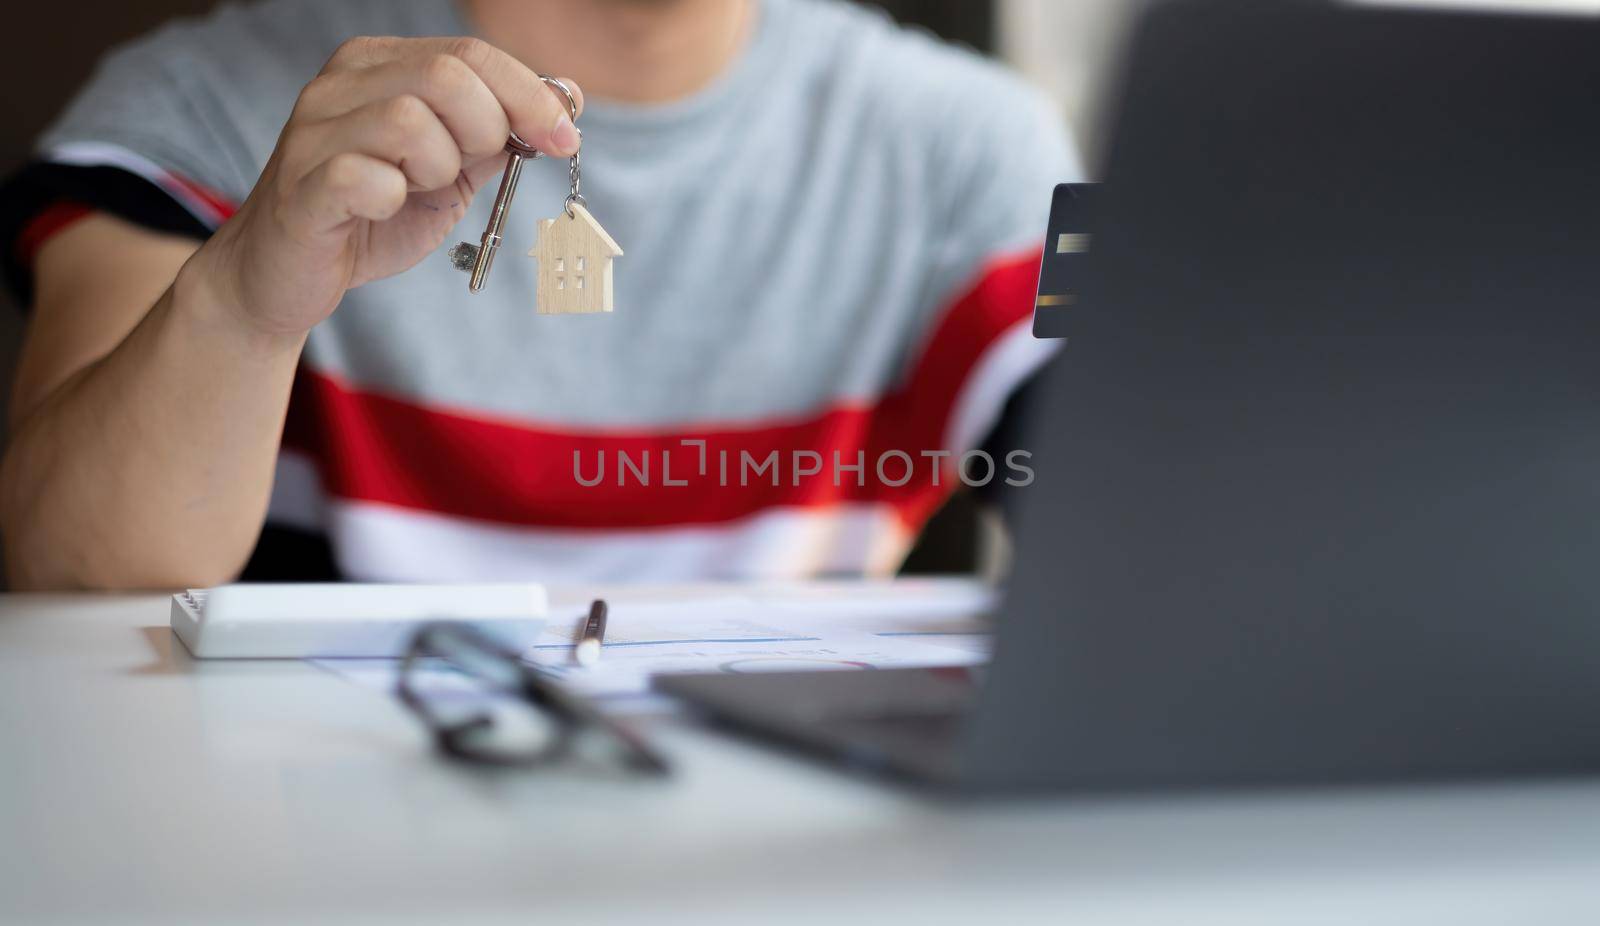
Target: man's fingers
x=537 y=113
x=402 y=130
x=455 y=93
x=349 y=186
x=364 y=51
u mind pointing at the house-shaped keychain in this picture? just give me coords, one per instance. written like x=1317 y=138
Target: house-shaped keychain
x=574 y=255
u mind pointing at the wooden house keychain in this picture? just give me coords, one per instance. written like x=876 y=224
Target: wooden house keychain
x=574 y=252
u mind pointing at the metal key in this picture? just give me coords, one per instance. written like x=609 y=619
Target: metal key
x=476 y=258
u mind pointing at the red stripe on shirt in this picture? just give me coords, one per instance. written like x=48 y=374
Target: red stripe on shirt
x=1000 y=296
x=50 y=221
x=377 y=448
x=221 y=205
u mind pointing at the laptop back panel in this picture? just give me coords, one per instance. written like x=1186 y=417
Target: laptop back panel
x=1318 y=471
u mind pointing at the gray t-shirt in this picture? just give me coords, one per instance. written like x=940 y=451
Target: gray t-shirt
x=831 y=250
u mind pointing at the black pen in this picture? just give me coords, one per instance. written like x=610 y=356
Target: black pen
x=587 y=652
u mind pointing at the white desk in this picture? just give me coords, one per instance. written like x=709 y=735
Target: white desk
x=138 y=785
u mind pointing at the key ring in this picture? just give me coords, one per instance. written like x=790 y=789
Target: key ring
x=574 y=169
x=515 y=144
x=476 y=259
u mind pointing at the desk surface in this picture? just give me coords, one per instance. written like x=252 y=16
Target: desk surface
x=137 y=784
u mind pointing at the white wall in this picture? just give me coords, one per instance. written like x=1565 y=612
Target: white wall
x=1067 y=46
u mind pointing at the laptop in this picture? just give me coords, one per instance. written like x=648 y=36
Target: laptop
x=1317 y=493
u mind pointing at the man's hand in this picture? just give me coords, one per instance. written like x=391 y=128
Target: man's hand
x=380 y=158
x=144 y=435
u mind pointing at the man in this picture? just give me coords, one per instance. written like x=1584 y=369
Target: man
x=243 y=315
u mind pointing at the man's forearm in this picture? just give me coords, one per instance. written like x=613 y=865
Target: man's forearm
x=152 y=466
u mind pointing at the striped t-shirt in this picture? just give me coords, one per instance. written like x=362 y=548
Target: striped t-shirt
x=829 y=270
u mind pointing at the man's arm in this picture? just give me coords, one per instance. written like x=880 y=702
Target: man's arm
x=144 y=421
x=145 y=436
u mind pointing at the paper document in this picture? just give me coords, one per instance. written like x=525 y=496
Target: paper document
x=626 y=670
x=841 y=625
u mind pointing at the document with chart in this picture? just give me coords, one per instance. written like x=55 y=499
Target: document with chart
x=813 y=626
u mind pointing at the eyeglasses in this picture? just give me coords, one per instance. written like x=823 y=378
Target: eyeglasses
x=486 y=706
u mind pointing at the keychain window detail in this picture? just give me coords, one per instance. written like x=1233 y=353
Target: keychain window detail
x=566 y=244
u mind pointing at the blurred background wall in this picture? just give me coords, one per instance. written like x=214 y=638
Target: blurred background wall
x=1068 y=47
